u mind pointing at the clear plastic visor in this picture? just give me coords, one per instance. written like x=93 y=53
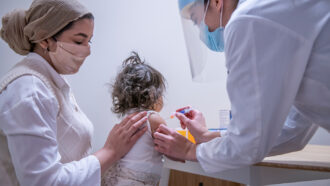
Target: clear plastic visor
x=205 y=64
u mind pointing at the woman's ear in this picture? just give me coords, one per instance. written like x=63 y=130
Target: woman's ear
x=44 y=44
x=48 y=44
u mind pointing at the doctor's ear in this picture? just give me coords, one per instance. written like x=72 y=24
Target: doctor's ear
x=217 y=4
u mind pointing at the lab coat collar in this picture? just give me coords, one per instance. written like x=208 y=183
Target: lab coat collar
x=241 y=1
x=57 y=78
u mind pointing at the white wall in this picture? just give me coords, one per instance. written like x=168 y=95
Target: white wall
x=152 y=28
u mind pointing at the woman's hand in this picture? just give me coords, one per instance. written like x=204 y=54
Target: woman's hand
x=195 y=122
x=121 y=139
x=173 y=144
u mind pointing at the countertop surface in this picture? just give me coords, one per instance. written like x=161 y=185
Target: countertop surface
x=312 y=157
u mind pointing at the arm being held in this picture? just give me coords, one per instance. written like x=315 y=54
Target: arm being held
x=155 y=121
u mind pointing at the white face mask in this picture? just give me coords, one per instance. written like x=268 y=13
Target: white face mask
x=68 y=58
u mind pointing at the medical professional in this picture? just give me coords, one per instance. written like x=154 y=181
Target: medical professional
x=278 y=60
x=45 y=138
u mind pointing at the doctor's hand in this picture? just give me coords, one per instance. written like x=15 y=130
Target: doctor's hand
x=121 y=139
x=173 y=144
x=195 y=122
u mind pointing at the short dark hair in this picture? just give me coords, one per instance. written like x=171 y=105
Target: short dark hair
x=137 y=86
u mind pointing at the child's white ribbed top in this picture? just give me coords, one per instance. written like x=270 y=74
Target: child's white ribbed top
x=143 y=157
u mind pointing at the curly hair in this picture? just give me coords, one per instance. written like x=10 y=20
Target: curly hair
x=137 y=86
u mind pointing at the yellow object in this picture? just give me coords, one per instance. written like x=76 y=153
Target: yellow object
x=190 y=137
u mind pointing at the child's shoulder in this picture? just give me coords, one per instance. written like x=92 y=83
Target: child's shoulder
x=155 y=120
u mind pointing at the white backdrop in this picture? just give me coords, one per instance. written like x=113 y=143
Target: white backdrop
x=153 y=29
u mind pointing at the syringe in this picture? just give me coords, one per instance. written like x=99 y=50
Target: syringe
x=184 y=111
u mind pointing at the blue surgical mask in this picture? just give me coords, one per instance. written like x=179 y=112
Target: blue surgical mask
x=213 y=40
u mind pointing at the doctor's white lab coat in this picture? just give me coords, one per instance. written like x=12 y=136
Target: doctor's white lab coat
x=278 y=58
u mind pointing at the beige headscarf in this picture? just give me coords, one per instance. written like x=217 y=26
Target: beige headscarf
x=20 y=28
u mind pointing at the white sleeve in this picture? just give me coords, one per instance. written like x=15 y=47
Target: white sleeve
x=295 y=134
x=30 y=128
x=266 y=63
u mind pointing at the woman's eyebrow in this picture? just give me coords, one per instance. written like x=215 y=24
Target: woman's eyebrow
x=81 y=34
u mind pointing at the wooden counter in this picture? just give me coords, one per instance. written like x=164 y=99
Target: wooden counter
x=311 y=163
x=312 y=157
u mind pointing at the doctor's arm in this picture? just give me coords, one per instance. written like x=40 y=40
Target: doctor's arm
x=266 y=63
x=295 y=134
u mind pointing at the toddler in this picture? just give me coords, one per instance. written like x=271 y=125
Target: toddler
x=138 y=87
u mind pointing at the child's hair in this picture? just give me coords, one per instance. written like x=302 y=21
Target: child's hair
x=138 y=86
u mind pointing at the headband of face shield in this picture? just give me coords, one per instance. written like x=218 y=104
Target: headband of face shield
x=213 y=40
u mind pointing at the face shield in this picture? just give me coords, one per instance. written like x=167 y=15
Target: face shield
x=206 y=64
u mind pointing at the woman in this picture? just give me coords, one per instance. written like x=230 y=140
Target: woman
x=45 y=137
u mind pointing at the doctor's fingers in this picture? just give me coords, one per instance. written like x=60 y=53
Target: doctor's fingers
x=163 y=137
x=188 y=114
x=184 y=121
x=161 y=145
x=165 y=130
x=186 y=107
x=193 y=114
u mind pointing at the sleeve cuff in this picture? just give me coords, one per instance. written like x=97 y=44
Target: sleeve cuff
x=96 y=166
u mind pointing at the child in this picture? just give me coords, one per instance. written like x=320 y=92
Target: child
x=138 y=87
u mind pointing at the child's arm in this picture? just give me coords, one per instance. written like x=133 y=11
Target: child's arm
x=155 y=120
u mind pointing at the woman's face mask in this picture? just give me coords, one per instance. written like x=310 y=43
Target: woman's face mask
x=213 y=40
x=68 y=57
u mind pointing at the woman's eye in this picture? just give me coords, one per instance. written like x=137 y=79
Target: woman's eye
x=78 y=43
